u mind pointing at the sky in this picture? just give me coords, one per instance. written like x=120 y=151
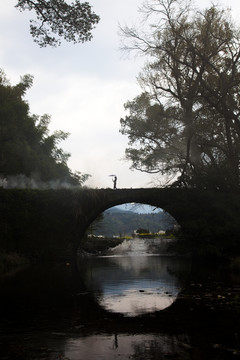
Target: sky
x=83 y=87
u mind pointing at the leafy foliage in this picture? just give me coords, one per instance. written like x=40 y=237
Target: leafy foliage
x=187 y=120
x=57 y=19
x=27 y=148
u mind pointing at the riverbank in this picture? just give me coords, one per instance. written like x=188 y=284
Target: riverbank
x=158 y=244
x=96 y=244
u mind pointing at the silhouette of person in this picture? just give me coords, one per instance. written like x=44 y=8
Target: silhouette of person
x=115 y=182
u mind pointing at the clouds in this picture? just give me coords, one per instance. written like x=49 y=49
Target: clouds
x=83 y=87
x=92 y=109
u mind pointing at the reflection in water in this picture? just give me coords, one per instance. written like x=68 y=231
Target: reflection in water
x=134 y=303
x=47 y=312
x=148 y=346
x=131 y=281
x=61 y=346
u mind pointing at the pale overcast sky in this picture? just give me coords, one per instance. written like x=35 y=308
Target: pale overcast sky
x=83 y=87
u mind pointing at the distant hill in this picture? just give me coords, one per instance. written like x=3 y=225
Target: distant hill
x=119 y=222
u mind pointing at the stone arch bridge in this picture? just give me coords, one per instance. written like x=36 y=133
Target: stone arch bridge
x=92 y=202
x=43 y=221
x=197 y=212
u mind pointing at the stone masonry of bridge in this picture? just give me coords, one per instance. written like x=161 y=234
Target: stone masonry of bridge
x=35 y=221
x=195 y=211
x=92 y=202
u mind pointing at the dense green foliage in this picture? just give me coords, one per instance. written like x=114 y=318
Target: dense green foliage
x=186 y=123
x=57 y=19
x=27 y=148
x=118 y=222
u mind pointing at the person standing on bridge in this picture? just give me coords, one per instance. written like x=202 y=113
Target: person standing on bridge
x=114 y=182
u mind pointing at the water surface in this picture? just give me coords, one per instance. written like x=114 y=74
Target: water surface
x=134 y=285
x=105 y=309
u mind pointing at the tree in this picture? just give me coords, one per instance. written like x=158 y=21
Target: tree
x=154 y=136
x=142 y=231
x=27 y=148
x=187 y=120
x=57 y=19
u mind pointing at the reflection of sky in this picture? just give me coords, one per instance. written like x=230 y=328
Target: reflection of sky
x=125 y=271
x=158 y=286
x=132 y=302
x=133 y=285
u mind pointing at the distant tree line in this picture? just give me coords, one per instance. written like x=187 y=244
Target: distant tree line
x=125 y=222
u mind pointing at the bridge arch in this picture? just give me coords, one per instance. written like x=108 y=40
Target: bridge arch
x=53 y=222
x=205 y=217
x=97 y=201
x=124 y=219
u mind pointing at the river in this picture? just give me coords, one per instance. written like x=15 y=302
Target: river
x=131 y=303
